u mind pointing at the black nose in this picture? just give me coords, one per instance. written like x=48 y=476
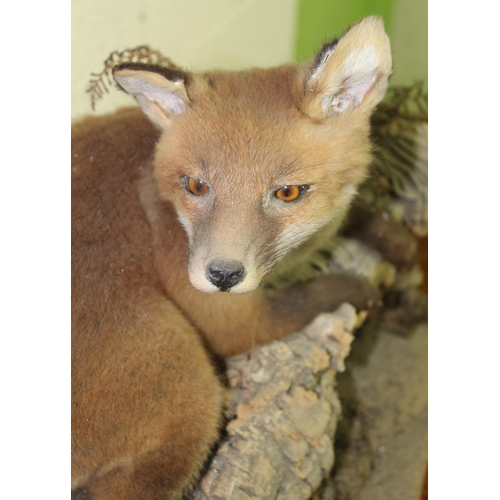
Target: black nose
x=225 y=273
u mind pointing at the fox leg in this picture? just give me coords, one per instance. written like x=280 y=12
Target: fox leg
x=147 y=414
x=322 y=294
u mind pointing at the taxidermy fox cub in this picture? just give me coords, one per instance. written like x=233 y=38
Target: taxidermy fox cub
x=236 y=178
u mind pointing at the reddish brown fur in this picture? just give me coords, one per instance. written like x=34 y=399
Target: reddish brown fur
x=135 y=349
x=146 y=400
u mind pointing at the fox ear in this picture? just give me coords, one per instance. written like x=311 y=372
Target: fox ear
x=350 y=73
x=161 y=92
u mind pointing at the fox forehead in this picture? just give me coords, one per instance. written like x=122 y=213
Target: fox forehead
x=249 y=125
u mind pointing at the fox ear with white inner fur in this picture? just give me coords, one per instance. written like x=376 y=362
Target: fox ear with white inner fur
x=351 y=73
x=160 y=91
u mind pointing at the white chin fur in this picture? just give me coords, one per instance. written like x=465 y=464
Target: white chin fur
x=201 y=283
x=246 y=286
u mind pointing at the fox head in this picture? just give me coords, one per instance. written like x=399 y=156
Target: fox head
x=257 y=161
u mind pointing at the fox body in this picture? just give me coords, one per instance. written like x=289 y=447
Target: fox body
x=227 y=181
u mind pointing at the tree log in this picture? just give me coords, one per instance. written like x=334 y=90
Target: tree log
x=284 y=413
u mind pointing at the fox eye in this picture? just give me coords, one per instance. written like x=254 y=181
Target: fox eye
x=290 y=193
x=196 y=186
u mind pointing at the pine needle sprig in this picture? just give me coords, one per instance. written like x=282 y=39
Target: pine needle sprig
x=399 y=172
x=407 y=102
x=141 y=54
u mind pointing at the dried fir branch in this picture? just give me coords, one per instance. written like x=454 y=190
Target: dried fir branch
x=399 y=173
x=142 y=54
x=403 y=102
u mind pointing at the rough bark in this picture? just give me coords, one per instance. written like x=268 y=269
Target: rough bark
x=279 y=443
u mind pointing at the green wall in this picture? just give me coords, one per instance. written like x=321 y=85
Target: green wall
x=319 y=21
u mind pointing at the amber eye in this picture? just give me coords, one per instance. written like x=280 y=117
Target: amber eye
x=290 y=193
x=196 y=186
